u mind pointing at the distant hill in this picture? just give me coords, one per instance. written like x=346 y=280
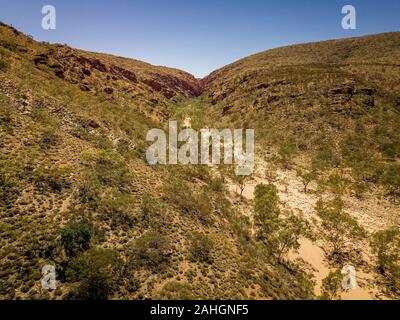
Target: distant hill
x=338 y=100
x=123 y=80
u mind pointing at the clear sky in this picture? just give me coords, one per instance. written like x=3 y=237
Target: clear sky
x=197 y=36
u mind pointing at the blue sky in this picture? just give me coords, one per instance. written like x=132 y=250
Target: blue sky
x=197 y=36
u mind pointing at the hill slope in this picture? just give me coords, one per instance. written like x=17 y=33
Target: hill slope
x=76 y=191
x=337 y=101
x=325 y=114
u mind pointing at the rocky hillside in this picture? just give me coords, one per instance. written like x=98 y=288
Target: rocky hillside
x=325 y=114
x=77 y=193
x=340 y=77
x=124 y=81
x=336 y=101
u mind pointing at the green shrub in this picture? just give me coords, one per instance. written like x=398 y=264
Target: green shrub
x=42 y=116
x=386 y=245
x=338 y=227
x=152 y=211
x=286 y=150
x=354 y=148
x=325 y=156
x=174 y=290
x=152 y=251
x=11 y=180
x=331 y=286
x=96 y=272
x=100 y=141
x=307 y=176
x=360 y=188
x=266 y=210
x=217 y=184
x=289 y=229
x=336 y=184
x=271 y=173
x=119 y=207
x=110 y=169
x=391 y=180
x=285 y=284
x=390 y=150
x=49 y=139
x=89 y=191
x=9 y=190
x=200 y=248
x=12 y=46
x=50 y=179
x=126 y=148
x=6 y=120
x=202 y=207
x=75 y=239
x=180 y=194
x=3 y=65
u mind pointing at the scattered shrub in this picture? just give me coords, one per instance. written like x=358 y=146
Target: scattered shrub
x=181 y=195
x=391 y=180
x=49 y=139
x=42 y=116
x=152 y=251
x=89 y=191
x=287 y=235
x=325 y=156
x=386 y=245
x=50 y=179
x=11 y=175
x=119 y=207
x=174 y=290
x=75 y=239
x=109 y=167
x=96 y=272
x=200 y=248
x=280 y=232
x=287 y=149
x=338 y=227
x=306 y=176
x=331 y=286
x=266 y=210
x=12 y=46
x=3 y=65
x=152 y=211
